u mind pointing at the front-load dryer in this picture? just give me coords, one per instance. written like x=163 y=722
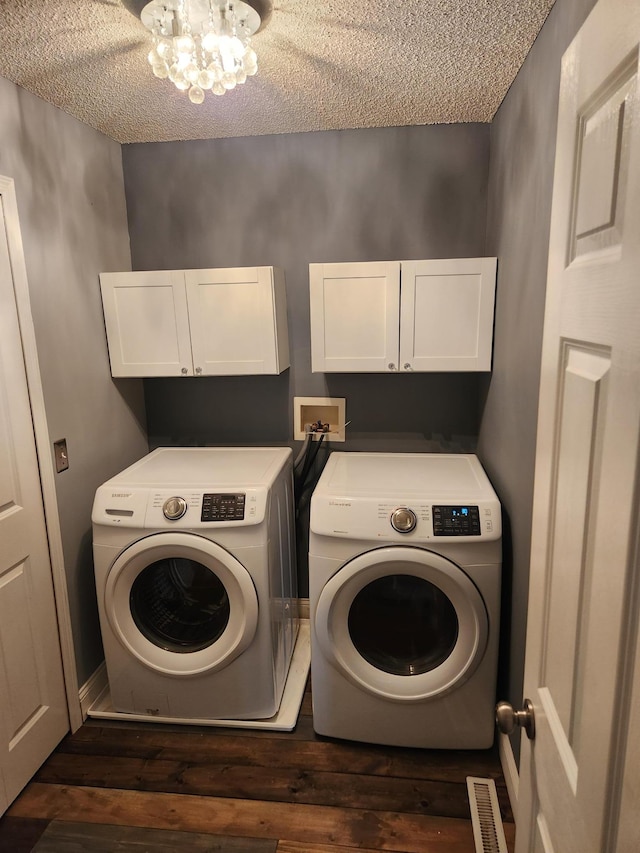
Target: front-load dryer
x=195 y=575
x=404 y=588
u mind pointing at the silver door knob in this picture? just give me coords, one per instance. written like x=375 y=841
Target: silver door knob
x=407 y=366
x=507 y=719
x=184 y=371
x=391 y=366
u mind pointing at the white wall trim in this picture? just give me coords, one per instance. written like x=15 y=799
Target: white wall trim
x=510 y=772
x=93 y=688
x=43 y=447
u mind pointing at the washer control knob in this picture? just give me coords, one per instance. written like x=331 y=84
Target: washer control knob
x=403 y=519
x=174 y=508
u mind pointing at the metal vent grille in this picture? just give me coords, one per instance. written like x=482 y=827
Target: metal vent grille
x=485 y=816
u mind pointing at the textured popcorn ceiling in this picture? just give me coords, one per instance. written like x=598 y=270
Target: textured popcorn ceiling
x=322 y=66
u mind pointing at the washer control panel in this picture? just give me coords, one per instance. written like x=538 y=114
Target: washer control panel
x=159 y=509
x=223 y=507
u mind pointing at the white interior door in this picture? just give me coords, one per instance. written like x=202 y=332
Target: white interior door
x=33 y=703
x=584 y=589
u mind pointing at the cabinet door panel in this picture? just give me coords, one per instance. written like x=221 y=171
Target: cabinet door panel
x=446 y=317
x=233 y=321
x=147 y=325
x=354 y=316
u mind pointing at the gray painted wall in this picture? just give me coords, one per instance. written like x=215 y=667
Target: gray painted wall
x=70 y=193
x=377 y=194
x=520 y=189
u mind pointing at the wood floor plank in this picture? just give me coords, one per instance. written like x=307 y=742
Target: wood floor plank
x=260 y=783
x=100 y=838
x=317 y=755
x=19 y=834
x=379 y=830
x=296 y=847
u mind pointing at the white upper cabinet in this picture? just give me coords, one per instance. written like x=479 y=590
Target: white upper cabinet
x=211 y=322
x=434 y=315
x=354 y=316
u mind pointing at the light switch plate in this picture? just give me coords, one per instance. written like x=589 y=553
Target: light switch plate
x=60 y=453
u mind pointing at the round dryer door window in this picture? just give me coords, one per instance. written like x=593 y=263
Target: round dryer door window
x=402 y=623
x=181 y=604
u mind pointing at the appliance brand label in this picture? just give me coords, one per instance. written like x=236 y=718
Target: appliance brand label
x=339 y=503
x=121 y=494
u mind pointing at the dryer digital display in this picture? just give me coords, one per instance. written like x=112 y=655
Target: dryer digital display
x=456 y=521
x=222 y=507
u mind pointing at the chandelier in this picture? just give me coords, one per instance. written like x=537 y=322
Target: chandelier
x=202 y=45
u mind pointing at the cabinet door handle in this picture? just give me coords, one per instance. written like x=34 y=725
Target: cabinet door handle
x=392 y=366
x=184 y=371
x=199 y=371
x=407 y=366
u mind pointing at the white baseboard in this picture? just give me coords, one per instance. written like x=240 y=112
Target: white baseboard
x=510 y=772
x=93 y=687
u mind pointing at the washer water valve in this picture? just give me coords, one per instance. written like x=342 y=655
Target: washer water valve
x=317 y=426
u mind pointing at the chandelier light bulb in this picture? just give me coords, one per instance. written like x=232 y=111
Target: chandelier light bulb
x=192 y=72
x=161 y=70
x=163 y=48
x=202 y=45
x=196 y=95
x=205 y=79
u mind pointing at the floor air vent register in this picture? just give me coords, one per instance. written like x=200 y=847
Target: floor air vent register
x=485 y=816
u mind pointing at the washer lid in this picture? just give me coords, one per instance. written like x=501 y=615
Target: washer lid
x=135 y=497
x=209 y=468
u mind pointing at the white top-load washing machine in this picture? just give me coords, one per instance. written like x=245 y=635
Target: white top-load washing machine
x=195 y=576
x=404 y=586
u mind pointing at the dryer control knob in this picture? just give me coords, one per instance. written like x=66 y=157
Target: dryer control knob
x=174 y=508
x=403 y=519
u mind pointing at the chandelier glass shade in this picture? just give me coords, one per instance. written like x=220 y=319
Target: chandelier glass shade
x=202 y=45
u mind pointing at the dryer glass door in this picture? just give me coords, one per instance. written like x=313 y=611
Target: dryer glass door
x=402 y=623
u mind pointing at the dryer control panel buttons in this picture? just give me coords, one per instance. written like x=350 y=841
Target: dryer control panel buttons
x=403 y=519
x=456 y=521
x=174 y=508
x=221 y=507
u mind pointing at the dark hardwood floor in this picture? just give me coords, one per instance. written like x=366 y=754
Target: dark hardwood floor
x=152 y=788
